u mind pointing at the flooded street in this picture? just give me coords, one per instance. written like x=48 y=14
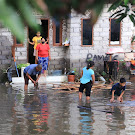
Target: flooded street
x=50 y=112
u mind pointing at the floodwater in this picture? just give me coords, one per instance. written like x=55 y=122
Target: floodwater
x=50 y=112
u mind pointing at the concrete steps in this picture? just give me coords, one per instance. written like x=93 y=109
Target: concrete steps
x=48 y=79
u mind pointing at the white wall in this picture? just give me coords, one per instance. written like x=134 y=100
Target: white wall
x=101 y=37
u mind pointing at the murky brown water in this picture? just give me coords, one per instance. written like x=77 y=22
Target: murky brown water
x=46 y=112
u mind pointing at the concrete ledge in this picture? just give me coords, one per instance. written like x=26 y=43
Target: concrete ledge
x=62 y=78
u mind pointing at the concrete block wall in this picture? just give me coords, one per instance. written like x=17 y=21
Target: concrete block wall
x=5 y=48
x=5 y=52
x=78 y=54
x=58 y=53
x=21 y=52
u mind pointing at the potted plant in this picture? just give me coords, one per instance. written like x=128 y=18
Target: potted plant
x=67 y=42
x=133 y=39
x=133 y=43
x=21 y=68
x=71 y=76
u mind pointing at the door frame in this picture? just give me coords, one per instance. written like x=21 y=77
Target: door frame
x=28 y=35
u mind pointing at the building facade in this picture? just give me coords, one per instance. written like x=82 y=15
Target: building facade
x=86 y=41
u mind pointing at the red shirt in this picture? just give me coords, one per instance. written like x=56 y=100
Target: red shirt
x=43 y=50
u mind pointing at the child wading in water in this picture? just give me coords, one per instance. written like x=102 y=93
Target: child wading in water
x=118 y=89
x=87 y=80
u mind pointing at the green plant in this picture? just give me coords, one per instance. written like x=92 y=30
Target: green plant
x=103 y=73
x=124 y=9
x=19 y=66
x=89 y=60
x=16 y=14
x=123 y=64
x=133 y=39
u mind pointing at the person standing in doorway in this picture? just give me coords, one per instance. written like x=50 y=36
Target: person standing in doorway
x=43 y=55
x=36 y=40
x=87 y=80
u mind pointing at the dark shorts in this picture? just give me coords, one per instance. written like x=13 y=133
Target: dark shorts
x=26 y=79
x=86 y=86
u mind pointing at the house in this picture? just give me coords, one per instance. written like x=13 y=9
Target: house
x=86 y=41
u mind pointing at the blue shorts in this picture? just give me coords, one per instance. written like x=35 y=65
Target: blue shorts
x=44 y=62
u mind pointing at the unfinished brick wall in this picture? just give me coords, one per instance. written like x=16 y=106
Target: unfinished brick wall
x=78 y=54
x=5 y=52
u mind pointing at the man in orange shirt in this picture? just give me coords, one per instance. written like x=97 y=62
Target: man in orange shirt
x=43 y=55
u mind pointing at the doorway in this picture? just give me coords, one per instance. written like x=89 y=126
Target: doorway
x=32 y=33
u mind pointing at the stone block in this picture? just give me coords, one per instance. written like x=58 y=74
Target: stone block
x=75 y=20
x=8 y=48
x=105 y=43
x=105 y=14
x=3 y=38
x=96 y=42
x=76 y=65
x=54 y=54
x=75 y=57
x=17 y=54
x=3 y=48
x=96 y=34
x=74 y=52
x=96 y=25
x=22 y=58
x=58 y=66
x=6 y=43
x=105 y=10
x=77 y=30
x=5 y=52
x=125 y=34
x=54 y=62
x=106 y=29
x=20 y=61
x=84 y=51
x=23 y=53
x=51 y=67
x=98 y=29
x=73 y=34
x=124 y=29
x=62 y=62
x=104 y=34
x=76 y=47
x=6 y=61
x=21 y=49
x=62 y=54
x=126 y=42
x=77 y=25
x=97 y=38
x=2 y=57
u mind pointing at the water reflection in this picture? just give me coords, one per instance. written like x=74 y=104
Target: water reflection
x=115 y=121
x=36 y=110
x=43 y=112
x=86 y=118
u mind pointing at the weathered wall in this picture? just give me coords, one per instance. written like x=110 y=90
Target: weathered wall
x=21 y=52
x=73 y=56
x=5 y=51
x=58 y=53
x=78 y=54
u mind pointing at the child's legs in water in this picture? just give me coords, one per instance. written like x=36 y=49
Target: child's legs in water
x=82 y=86
x=88 y=90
